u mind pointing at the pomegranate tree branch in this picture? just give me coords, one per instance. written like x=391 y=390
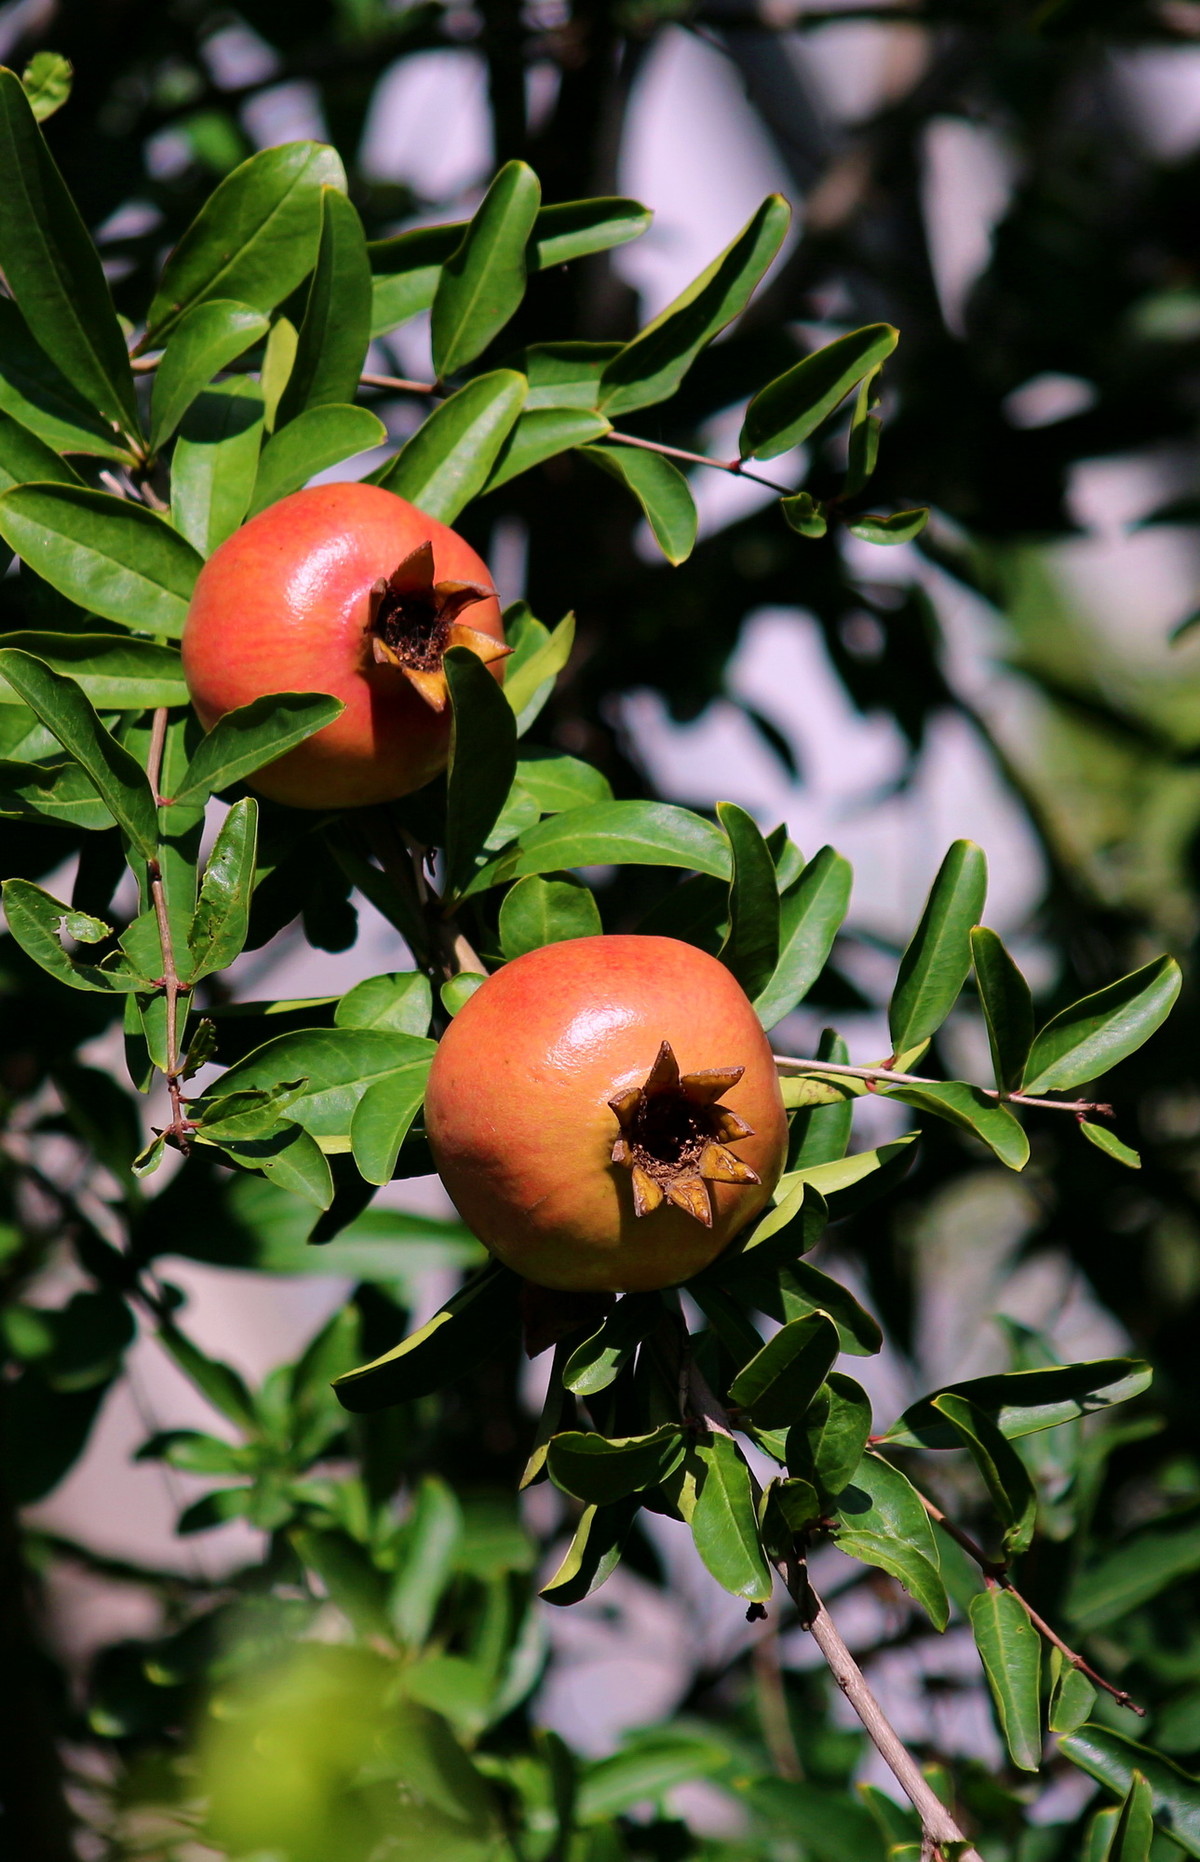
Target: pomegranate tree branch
x=790 y=1063
x=399 y=384
x=180 y=1124
x=732 y=466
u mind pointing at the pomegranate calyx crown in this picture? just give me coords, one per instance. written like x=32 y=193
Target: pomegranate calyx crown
x=674 y=1137
x=414 y=622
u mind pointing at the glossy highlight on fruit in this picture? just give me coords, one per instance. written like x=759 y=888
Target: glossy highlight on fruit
x=350 y=590
x=605 y=1113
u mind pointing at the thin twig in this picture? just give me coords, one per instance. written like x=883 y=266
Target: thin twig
x=181 y=1125
x=733 y=466
x=399 y=384
x=790 y=1061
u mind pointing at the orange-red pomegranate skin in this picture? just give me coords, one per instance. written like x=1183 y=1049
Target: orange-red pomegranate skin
x=520 y=1126
x=282 y=606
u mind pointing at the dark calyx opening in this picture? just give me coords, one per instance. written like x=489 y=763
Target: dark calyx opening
x=414 y=625
x=674 y=1138
x=669 y=1131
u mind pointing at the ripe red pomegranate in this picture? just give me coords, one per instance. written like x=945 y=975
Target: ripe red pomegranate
x=350 y=590
x=605 y=1113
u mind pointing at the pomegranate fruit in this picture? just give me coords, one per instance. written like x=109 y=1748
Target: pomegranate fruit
x=350 y=590
x=605 y=1113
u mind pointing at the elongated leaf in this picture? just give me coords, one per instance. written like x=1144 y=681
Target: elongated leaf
x=786 y=411
x=593 y=1365
x=35 y=920
x=1113 y=1760
x=208 y=339
x=243 y=740
x=215 y=463
x=110 y=556
x=1072 y=1696
x=827 y=1444
x=934 y=967
x=971 y=1110
x=557 y=782
x=751 y=948
x=571 y=229
x=483 y=279
x=651 y=367
x=1004 y=1472
x=61 y=792
x=1022 y=1402
x=724 y=1524
x=336 y=328
x=781 y=1380
x=565 y=375
x=1095 y=1034
x=483 y=761
x=897 y=527
x=117 y=674
x=654 y=1762
x=881 y=1521
x=382 y=1119
x=599 y=1471
x=222 y=917
x=318 y=438
x=1108 y=1142
x=1134 y=1833
x=1007 y=1007
x=1163 y=1553
x=844 y=1173
x=39 y=395
x=220 y=1383
x=337 y=1066
x=52 y=268
x=811 y=911
x=617 y=833
x=661 y=490
x=540 y=434
x=546 y=911
x=117 y=777
x=1011 y=1651
x=467 y=1328
x=254 y=239
x=529 y=676
x=401 y=1001
x=24 y=457
x=593 y=1554
x=862 y=441
x=448 y=460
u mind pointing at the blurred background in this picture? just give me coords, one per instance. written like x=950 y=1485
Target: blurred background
x=1015 y=187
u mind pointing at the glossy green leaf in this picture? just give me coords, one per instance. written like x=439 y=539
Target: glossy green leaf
x=1007 y=1007
x=787 y=411
x=971 y=1110
x=593 y=1554
x=780 y=1381
x=331 y=345
x=811 y=912
x=483 y=279
x=529 y=676
x=316 y=439
x=53 y=270
x=469 y=1327
x=448 y=460
x=1107 y=1588
x=243 y=740
x=565 y=374
x=401 y=1001
x=1011 y=1651
x=1093 y=1035
x=826 y=1445
x=337 y=1066
x=35 y=920
x=614 y=833
x=934 y=967
x=651 y=367
x=899 y=527
x=804 y=514
x=109 y=555
x=652 y=1762
x=39 y=395
x=820 y=1133
x=208 y=339
x=215 y=462
x=571 y=229
x=254 y=239
x=546 y=911
x=1113 y=1760
x=540 y=434
x=1098 y=1836
x=58 y=792
x=862 y=441
x=278 y=359
x=1005 y=1474
x=882 y=1522
x=483 y=761
x=382 y=1119
x=24 y=457
x=457 y=990
x=117 y=777
x=751 y=948
x=117 y=674
x=222 y=917
x=557 y=782
x=224 y=1387
x=1072 y=1695
x=661 y=490
x=844 y=1173
x=46 y=81
x=599 y=1471
x=1022 y=1402
x=1108 y=1142
x=724 y=1523
x=1133 y=1834
x=593 y=1365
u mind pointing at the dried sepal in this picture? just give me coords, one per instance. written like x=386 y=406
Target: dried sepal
x=413 y=621
x=673 y=1137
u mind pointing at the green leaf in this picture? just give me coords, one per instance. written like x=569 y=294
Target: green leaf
x=1004 y=1473
x=540 y=434
x=483 y=761
x=34 y=919
x=278 y=359
x=468 y=1328
x=900 y=527
x=457 y=990
x=614 y=833
x=751 y=948
x=215 y=463
x=654 y=1761
x=820 y=1133
x=220 y=1383
x=1093 y=1035
x=208 y=339
x=52 y=268
x=780 y=1381
x=787 y=410
x=546 y=911
x=110 y=556
x=483 y=279
x=1114 y=1760
x=1007 y=1007
x=117 y=777
x=46 y=81
x=401 y=1001
x=934 y=967
x=571 y=229
x=593 y=1366
x=862 y=441
x=1072 y=1695
x=243 y=740
x=39 y=395
x=565 y=374
x=527 y=675
x=1108 y=1142
x=882 y=1522
x=1022 y=1402
x=254 y=239
x=336 y=328
x=556 y=782
x=826 y=1445
x=316 y=439
x=336 y=1065
x=1133 y=1836
x=599 y=1471
x=724 y=1523
x=811 y=911
x=1011 y=1651
x=24 y=457
x=661 y=490
x=971 y=1110
x=651 y=367
x=291 y=1160
x=593 y=1554
x=804 y=514
x=448 y=460
x=61 y=792
x=382 y=1119
x=1163 y=1553
x=222 y=918
x=117 y=674
x=844 y=1172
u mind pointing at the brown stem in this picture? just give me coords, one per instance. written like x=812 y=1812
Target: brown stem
x=399 y=384
x=180 y=1125
x=733 y=466
x=786 y=1062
